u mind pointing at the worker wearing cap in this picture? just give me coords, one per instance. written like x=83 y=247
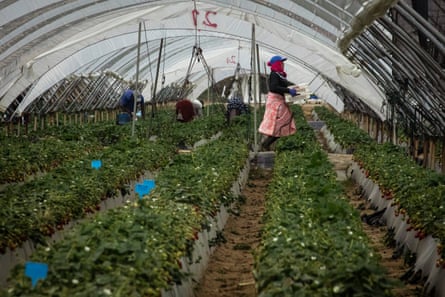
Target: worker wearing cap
x=126 y=102
x=278 y=120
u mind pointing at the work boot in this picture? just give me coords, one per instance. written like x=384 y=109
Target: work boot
x=265 y=146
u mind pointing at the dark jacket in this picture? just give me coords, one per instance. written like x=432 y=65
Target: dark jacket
x=185 y=111
x=278 y=84
x=127 y=101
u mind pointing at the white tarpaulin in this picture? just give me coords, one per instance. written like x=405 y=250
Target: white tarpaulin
x=223 y=29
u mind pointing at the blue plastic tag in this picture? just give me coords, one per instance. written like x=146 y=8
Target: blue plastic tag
x=96 y=164
x=36 y=271
x=144 y=188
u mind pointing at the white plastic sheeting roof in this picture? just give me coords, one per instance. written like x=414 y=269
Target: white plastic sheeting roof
x=42 y=42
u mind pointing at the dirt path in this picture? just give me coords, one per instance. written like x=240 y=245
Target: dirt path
x=395 y=266
x=229 y=272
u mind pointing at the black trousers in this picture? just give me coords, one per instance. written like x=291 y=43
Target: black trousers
x=268 y=142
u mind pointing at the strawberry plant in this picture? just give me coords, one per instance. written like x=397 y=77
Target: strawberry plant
x=39 y=207
x=135 y=250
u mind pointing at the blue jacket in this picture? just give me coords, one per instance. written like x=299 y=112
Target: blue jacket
x=127 y=101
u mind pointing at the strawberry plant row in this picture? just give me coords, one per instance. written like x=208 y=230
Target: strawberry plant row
x=347 y=135
x=38 y=208
x=35 y=209
x=417 y=192
x=313 y=243
x=22 y=158
x=45 y=150
x=135 y=250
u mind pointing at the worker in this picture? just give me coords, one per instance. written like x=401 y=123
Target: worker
x=278 y=120
x=127 y=101
x=197 y=107
x=236 y=107
x=185 y=111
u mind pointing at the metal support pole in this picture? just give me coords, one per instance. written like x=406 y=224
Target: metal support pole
x=257 y=74
x=208 y=97
x=153 y=103
x=255 y=134
x=422 y=25
x=136 y=91
x=394 y=123
x=267 y=80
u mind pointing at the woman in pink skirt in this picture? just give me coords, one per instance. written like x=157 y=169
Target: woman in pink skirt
x=278 y=120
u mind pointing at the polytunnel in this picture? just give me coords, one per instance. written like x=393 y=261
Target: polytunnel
x=376 y=64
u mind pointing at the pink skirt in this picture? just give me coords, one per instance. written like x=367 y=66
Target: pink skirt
x=278 y=120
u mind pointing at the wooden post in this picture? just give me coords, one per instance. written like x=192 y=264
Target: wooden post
x=368 y=125
x=380 y=131
x=376 y=130
x=27 y=125
x=416 y=148
x=425 y=153
x=383 y=131
x=370 y=122
x=432 y=154
x=363 y=121
x=442 y=156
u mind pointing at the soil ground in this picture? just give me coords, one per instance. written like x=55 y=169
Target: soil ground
x=395 y=265
x=229 y=272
